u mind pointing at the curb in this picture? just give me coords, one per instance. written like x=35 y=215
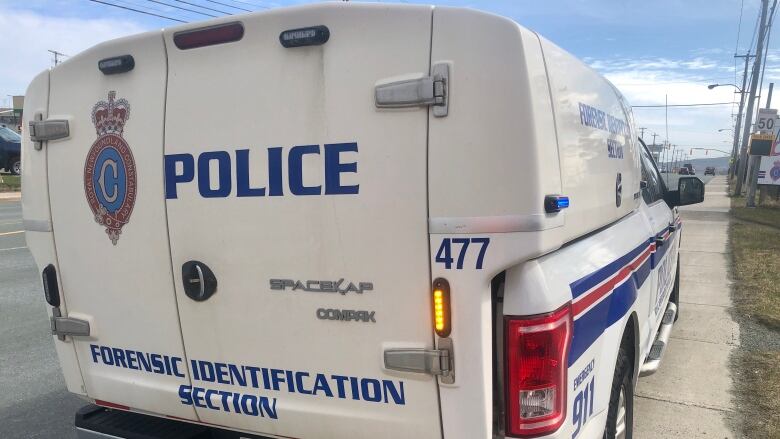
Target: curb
x=10 y=196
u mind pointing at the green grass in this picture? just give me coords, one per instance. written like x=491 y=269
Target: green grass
x=768 y=213
x=755 y=246
x=10 y=183
x=756 y=253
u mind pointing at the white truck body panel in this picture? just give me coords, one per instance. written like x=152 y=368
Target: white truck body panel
x=123 y=288
x=330 y=234
x=291 y=180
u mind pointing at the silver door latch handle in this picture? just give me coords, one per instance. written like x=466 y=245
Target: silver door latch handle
x=63 y=326
x=50 y=129
x=438 y=362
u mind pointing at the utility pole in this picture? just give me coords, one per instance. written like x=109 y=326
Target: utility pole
x=57 y=56
x=642 y=134
x=735 y=149
x=743 y=156
x=755 y=162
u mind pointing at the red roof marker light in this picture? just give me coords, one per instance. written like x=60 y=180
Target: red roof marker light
x=209 y=36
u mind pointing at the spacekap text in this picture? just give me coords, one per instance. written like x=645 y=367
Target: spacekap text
x=252 y=379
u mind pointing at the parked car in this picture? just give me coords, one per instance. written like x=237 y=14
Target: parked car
x=10 y=151
x=710 y=170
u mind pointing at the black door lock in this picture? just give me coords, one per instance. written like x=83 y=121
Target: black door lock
x=199 y=281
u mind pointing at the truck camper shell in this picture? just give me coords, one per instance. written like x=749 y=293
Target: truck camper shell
x=246 y=214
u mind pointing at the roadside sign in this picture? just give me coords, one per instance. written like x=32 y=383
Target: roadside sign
x=761 y=144
x=767 y=122
x=769 y=171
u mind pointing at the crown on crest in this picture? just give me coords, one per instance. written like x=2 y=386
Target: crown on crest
x=110 y=117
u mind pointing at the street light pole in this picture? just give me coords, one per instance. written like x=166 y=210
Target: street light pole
x=743 y=157
x=735 y=148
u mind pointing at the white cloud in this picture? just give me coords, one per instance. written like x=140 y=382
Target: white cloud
x=30 y=35
x=649 y=81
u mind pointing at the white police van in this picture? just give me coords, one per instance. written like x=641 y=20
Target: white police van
x=348 y=220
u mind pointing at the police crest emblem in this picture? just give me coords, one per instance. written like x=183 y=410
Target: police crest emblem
x=109 y=172
x=774 y=173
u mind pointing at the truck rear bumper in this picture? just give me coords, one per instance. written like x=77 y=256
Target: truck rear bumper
x=95 y=422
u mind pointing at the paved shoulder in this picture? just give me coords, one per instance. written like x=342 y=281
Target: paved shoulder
x=690 y=396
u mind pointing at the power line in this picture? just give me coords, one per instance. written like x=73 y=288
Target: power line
x=755 y=31
x=766 y=50
x=250 y=4
x=739 y=29
x=681 y=105
x=137 y=10
x=204 y=7
x=229 y=6
x=183 y=9
x=711 y=80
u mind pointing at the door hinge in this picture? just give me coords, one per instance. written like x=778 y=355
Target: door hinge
x=62 y=326
x=438 y=362
x=50 y=129
x=426 y=91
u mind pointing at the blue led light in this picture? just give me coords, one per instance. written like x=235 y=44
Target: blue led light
x=554 y=203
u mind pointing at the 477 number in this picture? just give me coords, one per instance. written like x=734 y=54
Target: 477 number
x=444 y=255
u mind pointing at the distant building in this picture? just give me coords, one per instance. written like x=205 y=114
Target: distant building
x=655 y=150
x=12 y=117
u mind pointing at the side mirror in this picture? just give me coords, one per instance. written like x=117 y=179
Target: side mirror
x=690 y=190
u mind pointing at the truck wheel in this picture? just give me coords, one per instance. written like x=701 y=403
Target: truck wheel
x=620 y=415
x=16 y=166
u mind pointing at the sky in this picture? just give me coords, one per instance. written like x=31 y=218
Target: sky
x=651 y=50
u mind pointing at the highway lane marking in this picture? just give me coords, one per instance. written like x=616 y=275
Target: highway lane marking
x=12 y=248
x=5 y=223
x=12 y=233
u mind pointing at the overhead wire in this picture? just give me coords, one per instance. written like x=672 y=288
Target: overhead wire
x=682 y=105
x=229 y=6
x=739 y=28
x=181 y=8
x=736 y=47
x=203 y=7
x=137 y=10
x=755 y=30
x=249 y=4
x=766 y=48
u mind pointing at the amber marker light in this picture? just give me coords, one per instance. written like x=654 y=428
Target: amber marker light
x=441 y=307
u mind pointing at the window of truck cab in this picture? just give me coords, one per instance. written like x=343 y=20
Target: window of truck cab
x=655 y=188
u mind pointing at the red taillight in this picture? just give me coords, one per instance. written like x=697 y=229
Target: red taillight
x=536 y=355
x=208 y=36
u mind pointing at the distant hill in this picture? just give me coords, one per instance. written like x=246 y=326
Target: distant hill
x=700 y=164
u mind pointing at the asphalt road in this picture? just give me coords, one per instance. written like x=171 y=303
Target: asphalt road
x=33 y=400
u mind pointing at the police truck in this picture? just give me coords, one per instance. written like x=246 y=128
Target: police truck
x=348 y=220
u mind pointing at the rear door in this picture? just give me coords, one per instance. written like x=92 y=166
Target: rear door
x=301 y=208
x=108 y=216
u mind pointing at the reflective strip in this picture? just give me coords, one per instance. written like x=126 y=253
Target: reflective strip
x=496 y=224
